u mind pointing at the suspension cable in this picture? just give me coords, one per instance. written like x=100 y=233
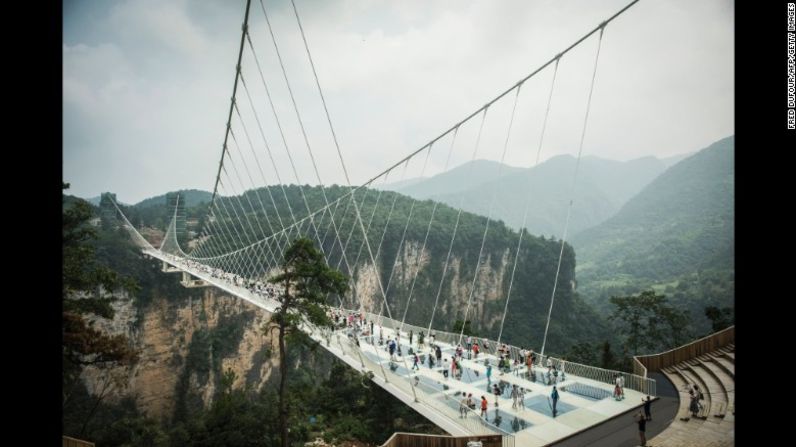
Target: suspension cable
x=456 y=225
x=527 y=201
x=572 y=189
x=428 y=231
x=489 y=214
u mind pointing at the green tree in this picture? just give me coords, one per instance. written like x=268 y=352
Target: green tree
x=720 y=318
x=306 y=281
x=468 y=330
x=607 y=359
x=86 y=291
x=583 y=352
x=648 y=322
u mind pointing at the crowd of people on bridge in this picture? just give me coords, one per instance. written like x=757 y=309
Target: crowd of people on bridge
x=256 y=287
x=510 y=360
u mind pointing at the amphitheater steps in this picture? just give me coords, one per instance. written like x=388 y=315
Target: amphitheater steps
x=714 y=373
x=726 y=364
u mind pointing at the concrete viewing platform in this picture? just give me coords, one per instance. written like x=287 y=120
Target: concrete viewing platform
x=583 y=402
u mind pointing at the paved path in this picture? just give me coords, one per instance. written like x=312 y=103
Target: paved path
x=622 y=431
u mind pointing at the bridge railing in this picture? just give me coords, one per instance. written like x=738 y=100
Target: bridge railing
x=636 y=382
x=656 y=362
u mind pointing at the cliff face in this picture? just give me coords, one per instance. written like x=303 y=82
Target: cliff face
x=425 y=270
x=185 y=344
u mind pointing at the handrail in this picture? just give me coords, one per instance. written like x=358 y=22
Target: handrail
x=704 y=345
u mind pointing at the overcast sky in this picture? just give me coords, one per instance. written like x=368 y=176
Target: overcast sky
x=147 y=85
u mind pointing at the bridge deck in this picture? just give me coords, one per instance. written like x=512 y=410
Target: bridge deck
x=583 y=402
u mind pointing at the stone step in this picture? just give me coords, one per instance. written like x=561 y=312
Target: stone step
x=718 y=393
x=726 y=365
x=694 y=378
x=682 y=385
x=727 y=383
x=714 y=373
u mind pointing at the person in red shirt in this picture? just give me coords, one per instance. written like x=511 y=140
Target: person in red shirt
x=484 y=404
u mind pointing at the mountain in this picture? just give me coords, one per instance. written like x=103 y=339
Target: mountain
x=674 y=159
x=676 y=235
x=192 y=197
x=94 y=200
x=602 y=187
x=397 y=244
x=461 y=178
x=395 y=186
x=546 y=190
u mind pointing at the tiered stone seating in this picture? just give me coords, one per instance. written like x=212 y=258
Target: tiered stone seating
x=714 y=426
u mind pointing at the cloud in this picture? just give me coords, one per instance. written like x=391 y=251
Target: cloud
x=146 y=105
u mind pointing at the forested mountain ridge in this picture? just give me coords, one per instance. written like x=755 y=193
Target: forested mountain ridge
x=676 y=235
x=483 y=187
x=399 y=260
x=192 y=197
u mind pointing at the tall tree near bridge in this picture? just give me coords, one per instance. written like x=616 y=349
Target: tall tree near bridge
x=306 y=281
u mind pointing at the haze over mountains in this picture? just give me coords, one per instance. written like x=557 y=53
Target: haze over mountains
x=665 y=224
x=603 y=186
x=677 y=236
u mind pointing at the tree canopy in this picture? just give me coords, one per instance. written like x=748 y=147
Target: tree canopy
x=306 y=281
x=647 y=322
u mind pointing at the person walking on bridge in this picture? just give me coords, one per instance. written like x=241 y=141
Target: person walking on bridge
x=463 y=406
x=554 y=396
x=497 y=392
x=515 y=393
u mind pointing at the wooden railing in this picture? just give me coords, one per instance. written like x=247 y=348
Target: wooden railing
x=420 y=440
x=656 y=362
x=72 y=442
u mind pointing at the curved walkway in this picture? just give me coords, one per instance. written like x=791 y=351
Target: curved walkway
x=622 y=431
